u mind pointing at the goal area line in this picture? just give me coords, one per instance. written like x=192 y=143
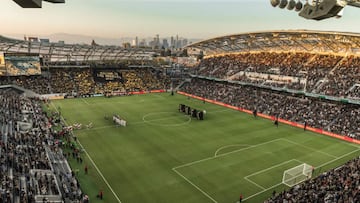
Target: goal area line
x=263 y=189
x=316 y=167
x=268 y=169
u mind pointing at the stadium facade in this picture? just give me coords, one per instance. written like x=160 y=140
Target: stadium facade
x=60 y=52
x=262 y=82
x=290 y=40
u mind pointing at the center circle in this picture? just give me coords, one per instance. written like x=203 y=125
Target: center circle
x=166 y=119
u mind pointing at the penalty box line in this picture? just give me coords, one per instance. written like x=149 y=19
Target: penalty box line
x=310 y=148
x=324 y=164
x=191 y=163
x=253 y=146
x=224 y=154
x=267 y=169
x=194 y=185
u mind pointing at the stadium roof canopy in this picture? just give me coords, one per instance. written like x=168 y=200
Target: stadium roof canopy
x=60 y=52
x=292 y=40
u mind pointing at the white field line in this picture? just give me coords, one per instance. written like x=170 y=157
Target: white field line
x=141 y=122
x=191 y=183
x=124 y=102
x=267 y=169
x=85 y=101
x=191 y=163
x=159 y=119
x=256 y=194
x=340 y=157
x=353 y=145
x=295 y=143
x=165 y=118
x=277 y=165
x=247 y=177
x=219 y=111
x=221 y=155
x=259 y=186
x=159 y=96
x=324 y=164
x=92 y=161
x=114 y=126
x=98 y=128
x=233 y=145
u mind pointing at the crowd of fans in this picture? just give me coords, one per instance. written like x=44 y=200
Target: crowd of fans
x=337 y=185
x=342 y=79
x=355 y=92
x=323 y=74
x=37 y=83
x=33 y=167
x=337 y=117
x=85 y=81
x=139 y=80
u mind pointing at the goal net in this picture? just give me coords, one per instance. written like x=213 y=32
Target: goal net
x=297 y=174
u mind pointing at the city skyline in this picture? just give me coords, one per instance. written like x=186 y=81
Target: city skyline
x=83 y=39
x=145 y=18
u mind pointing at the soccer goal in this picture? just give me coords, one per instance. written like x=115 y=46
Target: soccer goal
x=297 y=174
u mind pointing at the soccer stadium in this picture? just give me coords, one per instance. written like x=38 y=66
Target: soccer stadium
x=266 y=116
x=65 y=122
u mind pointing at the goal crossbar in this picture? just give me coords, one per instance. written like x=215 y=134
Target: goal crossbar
x=297 y=174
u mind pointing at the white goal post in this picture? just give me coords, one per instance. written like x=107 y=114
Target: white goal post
x=297 y=174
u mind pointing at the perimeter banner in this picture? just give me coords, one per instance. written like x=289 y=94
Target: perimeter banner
x=309 y=128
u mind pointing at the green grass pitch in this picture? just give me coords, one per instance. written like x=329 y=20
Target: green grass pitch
x=164 y=156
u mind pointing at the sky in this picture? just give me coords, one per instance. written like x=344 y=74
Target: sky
x=201 y=19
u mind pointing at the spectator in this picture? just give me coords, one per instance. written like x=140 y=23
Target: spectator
x=328 y=115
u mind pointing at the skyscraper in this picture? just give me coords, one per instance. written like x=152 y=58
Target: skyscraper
x=172 y=42
x=165 y=43
x=157 y=41
x=177 y=42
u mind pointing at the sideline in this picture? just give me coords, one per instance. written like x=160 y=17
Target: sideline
x=91 y=160
x=191 y=183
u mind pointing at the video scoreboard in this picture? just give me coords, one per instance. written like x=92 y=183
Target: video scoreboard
x=21 y=64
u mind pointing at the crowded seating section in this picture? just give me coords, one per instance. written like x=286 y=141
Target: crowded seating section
x=84 y=81
x=330 y=75
x=34 y=166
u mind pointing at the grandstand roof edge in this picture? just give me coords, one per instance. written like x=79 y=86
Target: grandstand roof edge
x=11 y=40
x=300 y=31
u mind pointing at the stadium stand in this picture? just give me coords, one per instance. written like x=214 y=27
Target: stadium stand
x=300 y=76
x=260 y=62
x=84 y=81
x=323 y=74
x=316 y=112
x=32 y=163
x=338 y=185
